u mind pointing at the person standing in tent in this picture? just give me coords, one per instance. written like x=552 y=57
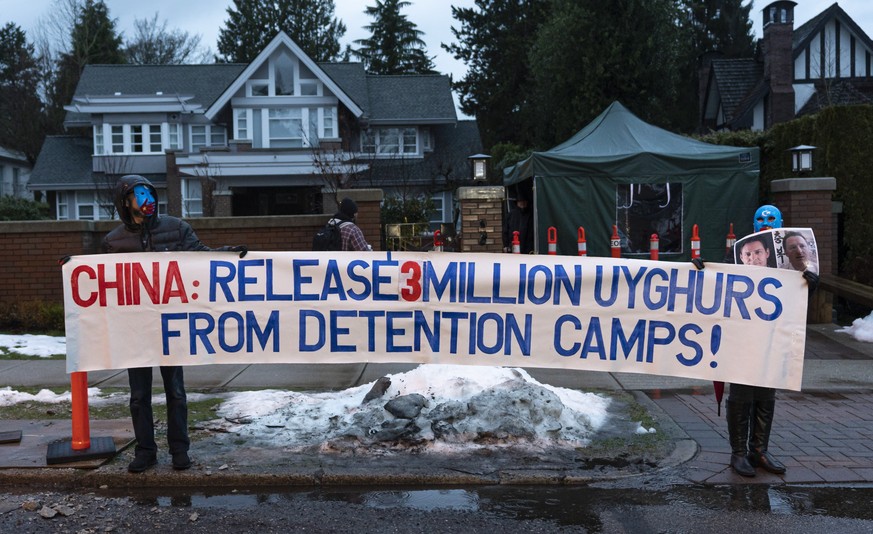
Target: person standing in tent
x=143 y=230
x=750 y=409
x=519 y=219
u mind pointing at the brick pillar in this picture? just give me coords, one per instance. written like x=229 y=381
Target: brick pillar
x=806 y=203
x=481 y=218
x=174 y=186
x=222 y=203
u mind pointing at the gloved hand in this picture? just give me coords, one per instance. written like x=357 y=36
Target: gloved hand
x=698 y=262
x=812 y=279
x=242 y=249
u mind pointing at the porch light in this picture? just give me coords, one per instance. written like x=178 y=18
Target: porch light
x=480 y=166
x=801 y=158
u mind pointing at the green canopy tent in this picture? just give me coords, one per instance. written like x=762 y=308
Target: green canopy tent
x=620 y=170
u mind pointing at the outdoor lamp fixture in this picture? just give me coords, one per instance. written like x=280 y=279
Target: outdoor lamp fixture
x=801 y=158
x=480 y=166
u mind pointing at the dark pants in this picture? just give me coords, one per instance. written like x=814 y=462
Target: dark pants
x=141 y=409
x=744 y=393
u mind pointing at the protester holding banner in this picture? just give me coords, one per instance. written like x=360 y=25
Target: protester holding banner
x=146 y=231
x=750 y=409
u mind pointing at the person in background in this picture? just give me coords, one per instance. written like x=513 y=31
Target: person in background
x=143 y=230
x=350 y=233
x=520 y=219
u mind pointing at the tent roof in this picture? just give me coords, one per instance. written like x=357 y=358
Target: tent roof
x=619 y=143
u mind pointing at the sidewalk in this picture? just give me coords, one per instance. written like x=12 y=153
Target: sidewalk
x=823 y=434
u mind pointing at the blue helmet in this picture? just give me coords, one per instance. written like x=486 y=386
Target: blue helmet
x=768 y=217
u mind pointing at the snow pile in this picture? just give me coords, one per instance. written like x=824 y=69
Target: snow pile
x=431 y=407
x=33 y=345
x=861 y=329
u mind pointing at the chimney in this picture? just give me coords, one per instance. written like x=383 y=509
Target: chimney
x=778 y=61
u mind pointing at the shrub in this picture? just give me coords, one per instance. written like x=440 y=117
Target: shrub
x=32 y=317
x=20 y=209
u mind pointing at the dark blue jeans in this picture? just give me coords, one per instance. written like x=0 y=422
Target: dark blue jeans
x=141 y=409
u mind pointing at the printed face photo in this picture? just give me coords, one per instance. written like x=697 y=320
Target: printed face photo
x=797 y=250
x=754 y=252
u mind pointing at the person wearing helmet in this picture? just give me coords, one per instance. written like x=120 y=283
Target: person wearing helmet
x=143 y=230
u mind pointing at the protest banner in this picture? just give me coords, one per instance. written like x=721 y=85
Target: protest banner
x=730 y=323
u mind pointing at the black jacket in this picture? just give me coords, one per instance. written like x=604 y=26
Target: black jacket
x=158 y=233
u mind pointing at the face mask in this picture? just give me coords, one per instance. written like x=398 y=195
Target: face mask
x=767 y=217
x=145 y=200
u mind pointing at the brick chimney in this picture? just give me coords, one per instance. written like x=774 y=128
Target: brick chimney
x=778 y=61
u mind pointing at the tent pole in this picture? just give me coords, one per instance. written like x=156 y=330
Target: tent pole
x=535 y=218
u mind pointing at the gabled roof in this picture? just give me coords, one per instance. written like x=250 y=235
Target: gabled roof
x=63 y=163
x=281 y=39
x=735 y=79
x=205 y=82
x=805 y=32
x=426 y=98
x=12 y=155
x=840 y=93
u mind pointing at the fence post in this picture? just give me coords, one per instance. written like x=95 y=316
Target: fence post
x=695 y=243
x=653 y=247
x=615 y=242
x=729 y=243
x=553 y=240
x=581 y=244
x=437 y=241
x=516 y=243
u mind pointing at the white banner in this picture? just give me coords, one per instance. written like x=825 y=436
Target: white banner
x=733 y=323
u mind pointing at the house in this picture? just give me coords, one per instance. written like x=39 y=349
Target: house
x=14 y=174
x=268 y=138
x=826 y=61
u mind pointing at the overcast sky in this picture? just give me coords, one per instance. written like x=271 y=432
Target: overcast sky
x=433 y=17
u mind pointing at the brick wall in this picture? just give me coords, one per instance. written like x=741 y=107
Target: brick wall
x=29 y=268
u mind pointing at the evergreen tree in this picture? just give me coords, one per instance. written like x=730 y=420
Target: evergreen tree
x=493 y=42
x=590 y=53
x=395 y=45
x=252 y=24
x=93 y=40
x=154 y=44
x=22 y=124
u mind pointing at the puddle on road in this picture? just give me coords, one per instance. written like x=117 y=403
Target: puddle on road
x=578 y=505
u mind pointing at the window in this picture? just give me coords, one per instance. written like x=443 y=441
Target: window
x=85 y=208
x=98 y=140
x=390 y=141
x=258 y=88
x=329 y=122
x=145 y=139
x=117 y=137
x=174 y=136
x=426 y=140
x=283 y=70
x=62 y=203
x=206 y=135
x=192 y=198
x=286 y=128
x=646 y=209
x=241 y=122
x=436 y=213
x=16 y=182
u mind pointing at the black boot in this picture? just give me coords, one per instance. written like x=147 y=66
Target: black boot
x=760 y=438
x=738 y=415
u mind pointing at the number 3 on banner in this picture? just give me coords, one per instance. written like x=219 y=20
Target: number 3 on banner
x=410 y=281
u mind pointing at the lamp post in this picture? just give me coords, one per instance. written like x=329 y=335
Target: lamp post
x=480 y=166
x=801 y=158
